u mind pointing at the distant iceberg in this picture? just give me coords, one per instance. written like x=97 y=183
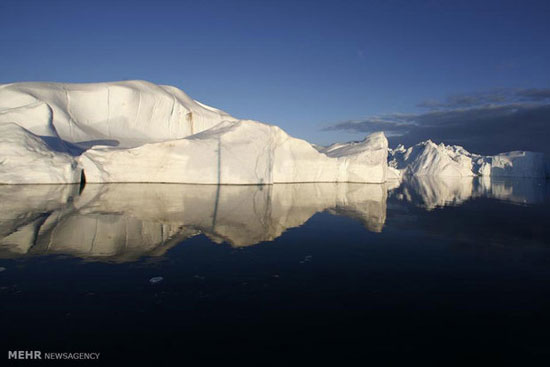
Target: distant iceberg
x=430 y=159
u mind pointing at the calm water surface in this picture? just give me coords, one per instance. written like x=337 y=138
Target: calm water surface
x=426 y=271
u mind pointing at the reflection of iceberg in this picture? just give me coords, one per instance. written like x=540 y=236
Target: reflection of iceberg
x=435 y=191
x=517 y=190
x=431 y=191
x=24 y=210
x=127 y=221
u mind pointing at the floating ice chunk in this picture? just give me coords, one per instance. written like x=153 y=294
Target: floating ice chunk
x=156 y=280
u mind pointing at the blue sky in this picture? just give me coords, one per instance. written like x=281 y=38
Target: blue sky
x=322 y=70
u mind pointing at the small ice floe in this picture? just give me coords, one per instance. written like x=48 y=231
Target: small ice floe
x=2 y=269
x=306 y=259
x=156 y=280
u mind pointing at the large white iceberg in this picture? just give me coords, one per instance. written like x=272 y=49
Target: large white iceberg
x=136 y=131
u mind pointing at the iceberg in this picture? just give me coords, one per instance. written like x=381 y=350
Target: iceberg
x=430 y=159
x=135 y=131
x=242 y=152
x=513 y=164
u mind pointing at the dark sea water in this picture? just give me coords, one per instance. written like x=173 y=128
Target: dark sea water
x=426 y=272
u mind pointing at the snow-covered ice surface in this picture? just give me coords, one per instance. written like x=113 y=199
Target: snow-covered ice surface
x=135 y=131
x=430 y=159
x=123 y=114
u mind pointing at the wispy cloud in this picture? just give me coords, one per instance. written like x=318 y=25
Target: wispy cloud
x=488 y=123
x=495 y=96
x=535 y=94
x=394 y=123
